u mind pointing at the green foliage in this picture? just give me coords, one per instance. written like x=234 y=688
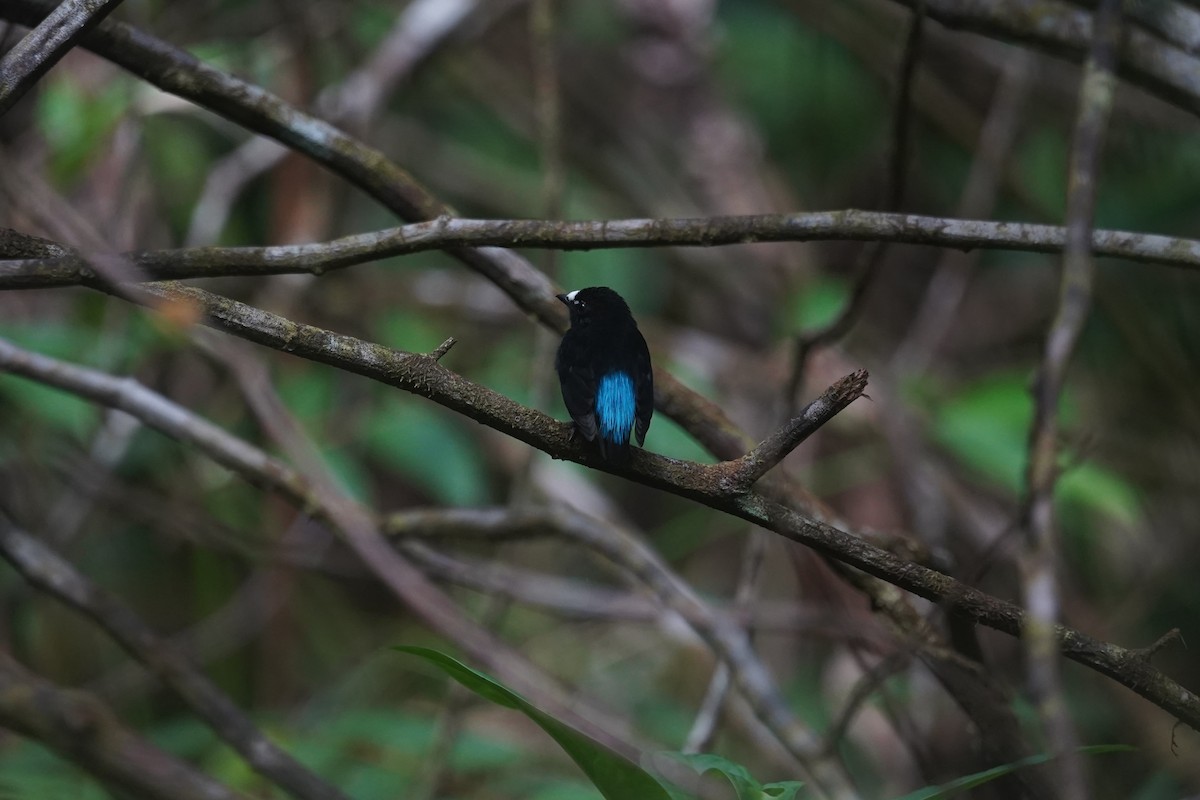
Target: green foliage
x=636 y=275
x=977 y=779
x=616 y=777
x=744 y=785
x=817 y=304
x=180 y=154
x=77 y=121
x=29 y=771
x=833 y=106
x=667 y=438
x=1101 y=491
x=308 y=393
x=986 y=425
x=1041 y=162
x=62 y=412
x=175 y=535
x=428 y=447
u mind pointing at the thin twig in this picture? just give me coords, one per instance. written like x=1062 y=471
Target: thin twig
x=547 y=104
x=419 y=30
x=871 y=256
x=704 y=727
x=952 y=276
x=778 y=445
x=1039 y=561
x=1171 y=636
x=443 y=348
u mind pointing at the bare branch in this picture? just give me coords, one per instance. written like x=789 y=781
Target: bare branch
x=79 y=727
x=775 y=448
x=871 y=256
x=1040 y=559
x=727 y=640
x=43 y=46
x=706 y=484
x=387 y=566
x=1170 y=637
x=1058 y=27
x=443 y=348
x=49 y=572
x=721 y=633
x=451 y=233
x=704 y=726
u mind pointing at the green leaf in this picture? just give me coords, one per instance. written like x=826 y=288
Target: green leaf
x=56 y=408
x=783 y=790
x=986 y=426
x=1041 y=160
x=349 y=473
x=77 y=120
x=429 y=448
x=818 y=304
x=616 y=777
x=308 y=393
x=739 y=778
x=744 y=785
x=986 y=776
x=1100 y=490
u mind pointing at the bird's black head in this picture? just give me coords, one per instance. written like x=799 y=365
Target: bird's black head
x=594 y=303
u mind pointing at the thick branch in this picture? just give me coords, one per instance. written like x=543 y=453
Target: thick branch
x=1061 y=28
x=43 y=46
x=728 y=641
x=446 y=233
x=79 y=727
x=706 y=484
x=46 y=570
x=261 y=469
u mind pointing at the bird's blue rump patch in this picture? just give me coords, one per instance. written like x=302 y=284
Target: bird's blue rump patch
x=615 y=406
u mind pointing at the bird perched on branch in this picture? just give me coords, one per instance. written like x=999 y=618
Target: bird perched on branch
x=603 y=367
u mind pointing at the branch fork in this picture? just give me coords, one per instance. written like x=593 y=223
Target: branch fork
x=745 y=471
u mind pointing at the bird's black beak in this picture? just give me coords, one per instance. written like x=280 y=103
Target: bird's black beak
x=566 y=301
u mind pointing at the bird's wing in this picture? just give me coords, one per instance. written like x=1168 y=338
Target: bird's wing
x=579 y=396
x=644 y=380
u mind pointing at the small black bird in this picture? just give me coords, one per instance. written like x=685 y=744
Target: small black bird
x=604 y=370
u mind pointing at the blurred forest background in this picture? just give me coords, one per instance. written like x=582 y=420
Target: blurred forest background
x=583 y=109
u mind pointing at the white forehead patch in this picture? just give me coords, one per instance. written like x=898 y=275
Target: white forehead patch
x=571 y=295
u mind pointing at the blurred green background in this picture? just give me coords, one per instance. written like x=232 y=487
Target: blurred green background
x=668 y=109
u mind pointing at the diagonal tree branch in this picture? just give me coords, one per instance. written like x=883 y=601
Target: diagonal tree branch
x=42 y=47
x=706 y=484
x=1160 y=66
x=78 y=726
x=49 y=572
x=716 y=628
x=752 y=466
x=261 y=469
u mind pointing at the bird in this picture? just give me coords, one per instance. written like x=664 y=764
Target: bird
x=604 y=372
